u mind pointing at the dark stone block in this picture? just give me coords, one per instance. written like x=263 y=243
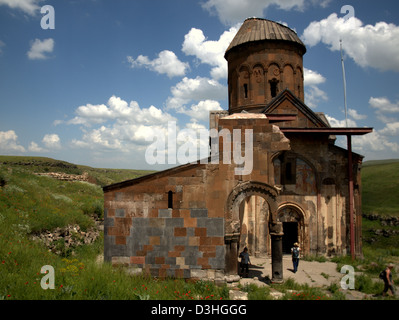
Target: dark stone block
x=165 y=213
x=214 y=226
x=174 y=222
x=218 y=262
x=199 y=213
x=120 y=213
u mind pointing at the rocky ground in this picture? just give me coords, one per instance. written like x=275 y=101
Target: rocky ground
x=64 y=240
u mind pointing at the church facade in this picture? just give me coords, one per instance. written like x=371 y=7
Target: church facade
x=191 y=221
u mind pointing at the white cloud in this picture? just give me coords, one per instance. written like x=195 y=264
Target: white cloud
x=130 y=131
x=28 y=6
x=355 y=115
x=34 y=147
x=40 y=48
x=120 y=111
x=313 y=94
x=312 y=77
x=120 y=137
x=384 y=109
x=127 y=125
x=52 y=141
x=384 y=105
x=340 y=123
x=109 y=138
x=197 y=89
x=375 y=141
x=391 y=129
x=374 y=46
x=9 y=142
x=90 y=114
x=166 y=63
x=381 y=143
x=233 y=11
x=377 y=144
x=200 y=111
x=208 y=51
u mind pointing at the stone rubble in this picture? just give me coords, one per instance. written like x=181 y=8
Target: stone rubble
x=68 y=238
x=65 y=176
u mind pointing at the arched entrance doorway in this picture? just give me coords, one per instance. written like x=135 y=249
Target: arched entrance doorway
x=254 y=234
x=234 y=222
x=292 y=219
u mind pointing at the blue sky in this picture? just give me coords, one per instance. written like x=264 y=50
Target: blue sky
x=112 y=73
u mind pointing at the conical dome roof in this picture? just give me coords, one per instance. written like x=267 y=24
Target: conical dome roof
x=257 y=29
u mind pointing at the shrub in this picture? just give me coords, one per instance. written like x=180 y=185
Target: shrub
x=365 y=284
x=3 y=179
x=257 y=293
x=95 y=208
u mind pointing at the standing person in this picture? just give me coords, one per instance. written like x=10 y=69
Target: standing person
x=245 y=261
x=295 y=256
x=387 y=277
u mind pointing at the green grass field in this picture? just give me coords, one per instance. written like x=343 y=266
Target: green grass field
x=380 y=184
x=30 y=204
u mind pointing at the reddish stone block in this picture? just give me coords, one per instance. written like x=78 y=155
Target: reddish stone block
x=210 y=254
x=205 y=241
x=190 y=222
x=180 y=232
x=111 y=231
x=155 y=241
x=217 y=241
x=176 y=214
x=137 y=260
x=173 y=254
x=120 y=240
x=206 y=248
x=202 y=261
x=159 y=260
x=200 y=232
x=184 y=213
x=180 y=248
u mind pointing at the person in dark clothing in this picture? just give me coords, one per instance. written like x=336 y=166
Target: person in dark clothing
x=245 y=262
x=388 y=283
x=295 y=256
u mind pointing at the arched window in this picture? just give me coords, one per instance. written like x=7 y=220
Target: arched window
x=288 y=172
x=170 y=200
x=243 y=84
x=245 y=90
x=273 y=87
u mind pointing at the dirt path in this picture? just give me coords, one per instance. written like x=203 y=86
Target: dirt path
x=313 y=273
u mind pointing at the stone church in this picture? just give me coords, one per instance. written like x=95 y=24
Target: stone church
x=192 y=221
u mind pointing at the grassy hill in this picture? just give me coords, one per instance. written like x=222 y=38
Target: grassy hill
x=39 y=203
x=33 y=205
x=380 y=187
x=99 y=176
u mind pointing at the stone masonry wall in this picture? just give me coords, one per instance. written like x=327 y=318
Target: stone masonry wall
x=177 y=243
